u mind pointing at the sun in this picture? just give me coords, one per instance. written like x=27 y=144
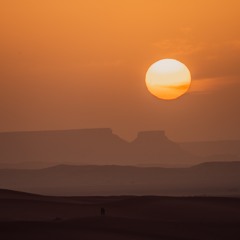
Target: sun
x=168 y=79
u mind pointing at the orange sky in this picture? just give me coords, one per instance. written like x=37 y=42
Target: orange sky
x=79 y=64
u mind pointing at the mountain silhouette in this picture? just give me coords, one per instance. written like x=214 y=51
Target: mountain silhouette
x=89 y=146
x=155 y=147
x=215 y=179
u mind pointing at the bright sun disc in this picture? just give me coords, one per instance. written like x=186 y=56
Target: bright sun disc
x=168 y=79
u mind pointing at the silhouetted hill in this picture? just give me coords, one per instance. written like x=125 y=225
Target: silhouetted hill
x=204 y=179
x=10 y=194
x=219 y=166
x=89 y=146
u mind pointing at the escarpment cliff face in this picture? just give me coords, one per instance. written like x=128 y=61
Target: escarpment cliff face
x=85 y=146
x=155 y=147
x=88 y=146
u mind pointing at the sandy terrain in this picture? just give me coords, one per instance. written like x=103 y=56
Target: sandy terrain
x=28 y=216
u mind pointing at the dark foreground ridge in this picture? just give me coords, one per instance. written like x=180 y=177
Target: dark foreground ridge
x=29 y=216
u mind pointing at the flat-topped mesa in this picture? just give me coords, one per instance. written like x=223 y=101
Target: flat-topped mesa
x=61 y=132
x=104 y=135
x=151 y=136
x=89 y=131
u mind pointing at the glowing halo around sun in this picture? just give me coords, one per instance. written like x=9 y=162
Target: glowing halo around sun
x=168 y=79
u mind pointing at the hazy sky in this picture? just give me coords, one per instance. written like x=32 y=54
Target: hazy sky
x=69 y=64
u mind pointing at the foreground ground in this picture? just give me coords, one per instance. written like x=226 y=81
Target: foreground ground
x=26 y=216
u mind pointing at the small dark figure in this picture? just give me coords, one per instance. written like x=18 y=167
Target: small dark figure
x=103 y=212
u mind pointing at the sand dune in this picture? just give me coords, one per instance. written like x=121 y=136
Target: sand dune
x=127 y=217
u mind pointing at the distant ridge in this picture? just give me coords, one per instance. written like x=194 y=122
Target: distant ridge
x=208 y=179
x=218 y=164
x=222 y=148
x=204 y=164
x=11 y=194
